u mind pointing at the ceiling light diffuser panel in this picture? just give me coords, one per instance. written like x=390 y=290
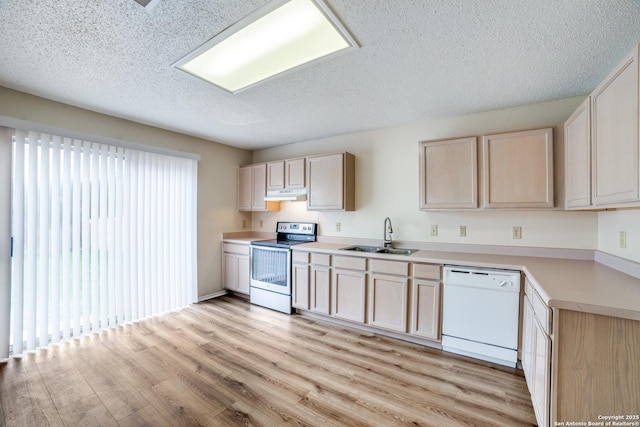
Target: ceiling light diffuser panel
x=280 y=36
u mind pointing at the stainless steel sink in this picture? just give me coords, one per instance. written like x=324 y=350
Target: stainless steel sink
x=359 y=248
x=396 y=251
x=380 y=250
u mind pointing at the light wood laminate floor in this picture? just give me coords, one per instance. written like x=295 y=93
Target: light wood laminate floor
x=224 y=362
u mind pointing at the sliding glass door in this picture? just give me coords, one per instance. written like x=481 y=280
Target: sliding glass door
x=101 y=235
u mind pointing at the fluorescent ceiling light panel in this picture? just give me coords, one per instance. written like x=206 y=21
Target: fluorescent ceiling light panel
x=276 y=38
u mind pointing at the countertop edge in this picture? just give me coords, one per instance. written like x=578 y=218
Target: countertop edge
x=595 y=309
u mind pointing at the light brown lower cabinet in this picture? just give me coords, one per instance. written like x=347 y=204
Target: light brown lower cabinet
x=320 y=284
x=425 y=301
x=536 y=359
x=425 y=309
x=348 y=295
x=579 y=366
x=388 y=302
x=595 y=367
x=348 y=288
x=300 y=274
x=236 y=273
x=388 y=295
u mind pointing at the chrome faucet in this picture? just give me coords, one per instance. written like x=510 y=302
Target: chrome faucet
x=388 y=230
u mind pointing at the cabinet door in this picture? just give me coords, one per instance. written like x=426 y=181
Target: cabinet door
x=388 y=302
x=615 y=135
x=259 y=187
x=245 y=184
x=320 y=288
x=230 y=272
x=425 y=309
x=348 y=294
x=243 y=273
x=331 y=182
x=577 y=142
x=294 y=173
x=541 y=375
x=449 y=174
x=275 y=175
x=528 y=343
x=300 y=287
x=518 y=169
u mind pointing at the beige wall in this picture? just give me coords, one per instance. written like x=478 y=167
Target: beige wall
x=387 y=185
x=610 y=224
x=387 y=182
x=217 y=169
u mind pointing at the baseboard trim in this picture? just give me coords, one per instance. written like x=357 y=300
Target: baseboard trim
x=211 y=296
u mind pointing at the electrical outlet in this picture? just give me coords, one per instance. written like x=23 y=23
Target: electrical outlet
x=338 y=226
x=623 y=240
x=244 y=223
x=434 y=230
x=516 y=232
x=261 y=223
x=463 y=231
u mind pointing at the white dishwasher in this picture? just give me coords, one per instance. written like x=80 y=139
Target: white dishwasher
x=480 y=313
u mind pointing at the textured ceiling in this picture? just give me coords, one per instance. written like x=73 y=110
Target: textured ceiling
x=418 y=59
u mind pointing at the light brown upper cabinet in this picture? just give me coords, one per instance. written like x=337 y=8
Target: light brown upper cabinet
x=517 y=170
x=288 y=173
x=449 y=174
x=577 y=167
x=252 y=189
x=331 y=182
x=245 y=188
x=602 y=143
x=614 y=136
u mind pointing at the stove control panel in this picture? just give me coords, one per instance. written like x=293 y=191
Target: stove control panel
x=297 y=228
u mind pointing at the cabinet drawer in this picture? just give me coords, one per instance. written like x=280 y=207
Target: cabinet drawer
x=390 y=267
x=540 y=309
x=302 y=257
x=528 y=289
x=349 y=263
x=320 y=259
x=235 y=248
x=426 y=271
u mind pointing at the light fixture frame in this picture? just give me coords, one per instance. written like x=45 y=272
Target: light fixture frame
x=254 y=16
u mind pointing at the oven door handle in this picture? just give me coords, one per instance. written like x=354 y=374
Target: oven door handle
x=268 y=248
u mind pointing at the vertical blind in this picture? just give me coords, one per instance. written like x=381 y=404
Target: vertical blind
x=101 y=235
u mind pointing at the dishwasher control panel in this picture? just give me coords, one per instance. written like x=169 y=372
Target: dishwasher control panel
x=504 y=280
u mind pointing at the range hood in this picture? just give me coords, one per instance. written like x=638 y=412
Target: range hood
x=286 y=194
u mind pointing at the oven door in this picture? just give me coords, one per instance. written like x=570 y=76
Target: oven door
x=271 y=269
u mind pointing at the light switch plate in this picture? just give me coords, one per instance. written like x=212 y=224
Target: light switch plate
x=463 y=231
x=434 y=230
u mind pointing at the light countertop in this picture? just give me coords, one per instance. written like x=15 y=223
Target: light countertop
x=578 y=285
x=246 y=237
